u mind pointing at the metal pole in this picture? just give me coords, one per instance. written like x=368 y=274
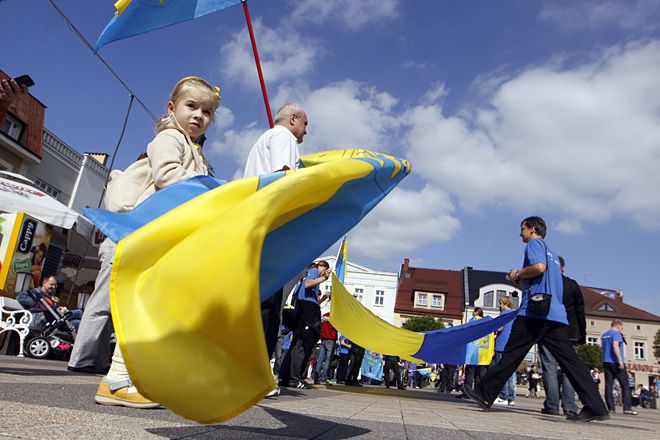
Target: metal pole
x=257 y=62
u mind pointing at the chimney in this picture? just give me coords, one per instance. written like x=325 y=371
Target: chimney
x=406 y=265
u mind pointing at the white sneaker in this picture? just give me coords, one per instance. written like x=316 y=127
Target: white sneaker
x=499 y=401
x=512 y=403
x=274 y=393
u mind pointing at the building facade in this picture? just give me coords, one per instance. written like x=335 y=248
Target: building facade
x=375 y=289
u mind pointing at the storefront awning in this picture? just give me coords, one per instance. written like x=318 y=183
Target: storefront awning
x=19 y=196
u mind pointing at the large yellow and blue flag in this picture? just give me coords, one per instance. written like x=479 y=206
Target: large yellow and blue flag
x=134 y=17
x=340 y=263
x=194 y=261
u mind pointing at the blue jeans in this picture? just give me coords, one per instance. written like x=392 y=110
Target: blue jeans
x=551 y=384
x=326 y=352
x=508 y=392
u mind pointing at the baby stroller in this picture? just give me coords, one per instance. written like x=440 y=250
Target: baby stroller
x=51 y=332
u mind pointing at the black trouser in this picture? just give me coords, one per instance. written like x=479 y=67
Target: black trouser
x=447 y=379
x=612 y=371
x=525 y=333
x=392 y=366
x=302 y=348
x=342 y=368
x=270 y=319
x=354 y=364
x=474 y=374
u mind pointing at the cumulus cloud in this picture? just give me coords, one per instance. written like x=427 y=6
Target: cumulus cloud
x=403 y=222
x=352 y=13
x=635 y=15
x=237 y=142
x=569 y=226
x=583 y=141
x=283 y=52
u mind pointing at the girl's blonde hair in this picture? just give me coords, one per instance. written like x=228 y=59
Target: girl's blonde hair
x=179 y=90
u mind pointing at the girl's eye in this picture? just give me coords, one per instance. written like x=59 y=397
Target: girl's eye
x=207 y=113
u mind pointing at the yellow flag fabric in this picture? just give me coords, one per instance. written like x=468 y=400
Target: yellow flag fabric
x=358 y=324
x=185 y=288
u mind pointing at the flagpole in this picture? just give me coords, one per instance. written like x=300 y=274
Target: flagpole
x=257 y=62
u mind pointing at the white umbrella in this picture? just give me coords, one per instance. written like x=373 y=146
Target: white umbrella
x=20 y=196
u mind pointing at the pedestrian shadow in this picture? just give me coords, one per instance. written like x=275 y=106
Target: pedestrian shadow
x=295 y=425
x=32 y=371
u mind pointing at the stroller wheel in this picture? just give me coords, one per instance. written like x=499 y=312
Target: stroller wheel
x=38 y=347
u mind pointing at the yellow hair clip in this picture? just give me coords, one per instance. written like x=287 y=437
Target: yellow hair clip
x=215 y=89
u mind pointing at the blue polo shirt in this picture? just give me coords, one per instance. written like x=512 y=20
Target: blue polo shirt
x=342 y=349
x=549 y=281
x=608 y=347
x=310 y=294
x=503 y=337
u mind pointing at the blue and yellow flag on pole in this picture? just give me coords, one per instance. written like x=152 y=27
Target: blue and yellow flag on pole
x=340 y=263
x=134 y=17
x=195 y=260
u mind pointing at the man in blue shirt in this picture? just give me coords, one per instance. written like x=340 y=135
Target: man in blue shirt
x=344 y=354
x=615 y=368
x=307 y=327
x=541 y=276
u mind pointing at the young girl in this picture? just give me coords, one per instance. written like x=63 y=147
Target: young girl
x=172 y=156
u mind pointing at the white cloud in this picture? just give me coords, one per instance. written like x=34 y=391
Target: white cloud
x=404 y=221
x=634 y=15
x=283 y=52
x=236 y=143
x=352 y=13
x=582 y=141
x=569 y=226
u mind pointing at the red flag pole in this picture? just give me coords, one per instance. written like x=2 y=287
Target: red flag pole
x=257 y=62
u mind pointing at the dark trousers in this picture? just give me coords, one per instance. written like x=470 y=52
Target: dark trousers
x=354 y=364
x=296 y=360
x=342 y=369
x=270 y=319
x=525 y=333
x=447 y=379
x=392 y=366
x=474 y=374
x=612 y=371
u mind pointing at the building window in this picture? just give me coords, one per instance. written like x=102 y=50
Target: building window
x=488 y=299
x=606 y=308
x=422 y=299
x=48 y=189
x=592 y=340
x=639 y=327
x=13 y=128
x=500 y=294
x=592 y=323
x=640 y=350
x=359 y=293
x=380 y=298
x=438 y=301
x=516 y=301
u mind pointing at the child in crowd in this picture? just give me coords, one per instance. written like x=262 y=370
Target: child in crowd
x=174 y=155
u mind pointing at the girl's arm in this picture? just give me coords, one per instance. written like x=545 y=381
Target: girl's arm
x=166 y=154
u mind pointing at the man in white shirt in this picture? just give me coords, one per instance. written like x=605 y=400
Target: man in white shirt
x=277 y=148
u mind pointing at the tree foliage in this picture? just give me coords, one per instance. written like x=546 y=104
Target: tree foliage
x=592 y=356
x=423 y=323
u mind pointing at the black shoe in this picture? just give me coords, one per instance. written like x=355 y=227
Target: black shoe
x=304 y=385
x=401 y=388
x=477 y=397
x=89 y=370
x=549 y=412
x=587 y=416
x=570 y=413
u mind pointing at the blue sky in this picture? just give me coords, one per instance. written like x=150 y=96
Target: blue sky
x=505 y=109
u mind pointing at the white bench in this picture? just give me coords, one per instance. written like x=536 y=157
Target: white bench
x=14 y=317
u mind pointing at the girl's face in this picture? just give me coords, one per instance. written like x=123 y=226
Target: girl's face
x=194 y=110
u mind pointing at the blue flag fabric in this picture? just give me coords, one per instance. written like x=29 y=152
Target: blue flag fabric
x=340 y=264
x=134 y=17
x=372 y=366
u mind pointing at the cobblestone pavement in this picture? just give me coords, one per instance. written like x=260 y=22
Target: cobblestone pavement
x=41 y=400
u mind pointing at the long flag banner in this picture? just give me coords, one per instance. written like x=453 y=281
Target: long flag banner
x=134 y=17
x=446 y=345
x=192 y=266
x=340 y=263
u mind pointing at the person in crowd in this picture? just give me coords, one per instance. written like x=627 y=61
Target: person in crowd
x=281 y=348
x=173 y=155
x=31 y=299
x=533 y=378
x=541 y=319
x=473 y=370
x=10 y=91
x=308 y=327
x=392 y=366
x=615 y=368
x=508 y=394
x=644 y=395
x=447 y=378
x=344 y=351
x=356 y=355
x=577 y=334
x=327 y=349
